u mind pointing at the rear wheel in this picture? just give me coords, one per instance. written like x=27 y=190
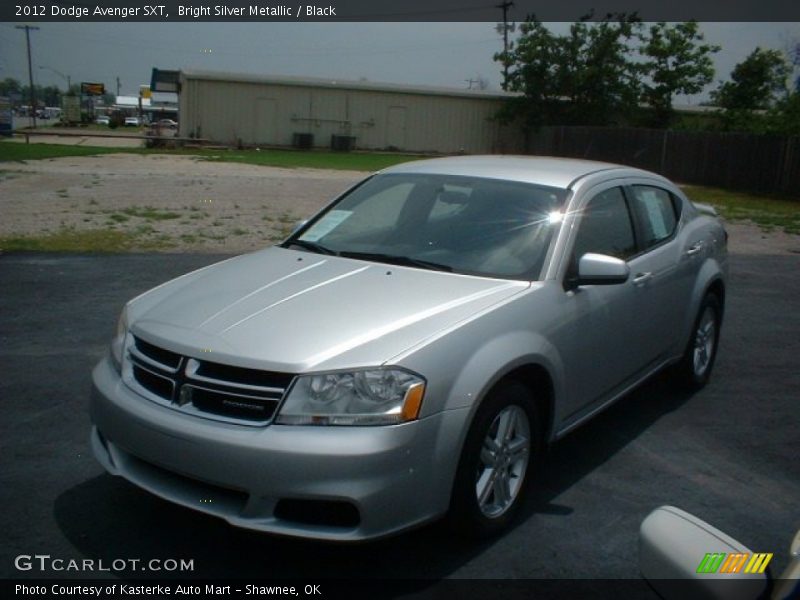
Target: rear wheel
x=501 y=447
x=695 y=367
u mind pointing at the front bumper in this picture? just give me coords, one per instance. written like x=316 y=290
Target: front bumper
x=394 y=477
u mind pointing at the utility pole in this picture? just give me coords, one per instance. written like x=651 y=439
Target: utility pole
x=118 y=85
x=505 y=6
x=27 y=29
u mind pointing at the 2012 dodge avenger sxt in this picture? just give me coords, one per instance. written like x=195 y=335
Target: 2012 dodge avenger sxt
x=408 y=352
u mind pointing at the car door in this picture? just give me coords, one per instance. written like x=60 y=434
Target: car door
x=599 y=337
x=662 y=280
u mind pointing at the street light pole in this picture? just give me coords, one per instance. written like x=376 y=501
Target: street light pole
x=60 y=74
x=27 y=29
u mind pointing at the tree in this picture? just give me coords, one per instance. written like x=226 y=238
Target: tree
x=584 y=77
x=677 y=61
x=604 y=84
x=10 y=86
x=757 y=82
x=784 y=117
x=532 y=64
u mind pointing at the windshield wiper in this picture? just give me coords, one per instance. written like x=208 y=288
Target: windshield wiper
x=312 y=246
x=405 y=261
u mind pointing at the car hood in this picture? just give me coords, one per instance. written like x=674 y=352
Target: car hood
x=293 y=311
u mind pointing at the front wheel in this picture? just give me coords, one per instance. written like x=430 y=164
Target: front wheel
x=501 y=447
x=695 y=367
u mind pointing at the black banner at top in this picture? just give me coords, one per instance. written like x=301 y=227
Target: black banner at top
x=395 y=10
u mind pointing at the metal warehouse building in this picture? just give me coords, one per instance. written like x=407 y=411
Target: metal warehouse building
x=284 y=111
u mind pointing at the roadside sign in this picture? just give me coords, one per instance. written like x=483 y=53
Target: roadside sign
x=92 y=89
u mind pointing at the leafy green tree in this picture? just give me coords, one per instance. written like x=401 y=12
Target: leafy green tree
x=600 y=78
x=757 y=83
x=533 y=63
x=676 y=61
x=9 y=86
x=784 y=116
x=584 y=77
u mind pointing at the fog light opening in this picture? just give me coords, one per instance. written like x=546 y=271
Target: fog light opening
x=333 y=513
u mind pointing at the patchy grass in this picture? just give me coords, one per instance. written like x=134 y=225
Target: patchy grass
x=14 y=151
x=315 y=159
x=150 y=213
x=70 y=240
x=767 y=211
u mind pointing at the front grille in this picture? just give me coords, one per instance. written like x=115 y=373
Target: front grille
x=207 y=388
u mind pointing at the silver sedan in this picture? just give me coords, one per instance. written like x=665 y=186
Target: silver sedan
x=409 y=351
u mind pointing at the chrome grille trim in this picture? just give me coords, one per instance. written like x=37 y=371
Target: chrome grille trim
x=257 y=405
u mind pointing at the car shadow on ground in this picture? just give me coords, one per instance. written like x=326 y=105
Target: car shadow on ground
x=107 y=518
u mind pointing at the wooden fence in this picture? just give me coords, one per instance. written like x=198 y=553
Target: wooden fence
x=730 y=160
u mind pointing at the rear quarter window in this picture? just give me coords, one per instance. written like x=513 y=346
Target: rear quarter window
x=657 y=213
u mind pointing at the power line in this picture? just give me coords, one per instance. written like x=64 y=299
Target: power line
x=28 y=29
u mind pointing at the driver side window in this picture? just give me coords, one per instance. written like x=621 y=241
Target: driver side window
x=605 y=227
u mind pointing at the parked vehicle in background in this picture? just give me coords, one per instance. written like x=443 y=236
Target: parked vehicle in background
x=409 y=351
x=103 y=120
x=132 y=122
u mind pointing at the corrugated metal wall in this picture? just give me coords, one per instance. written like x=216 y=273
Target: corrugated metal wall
x=232 y=112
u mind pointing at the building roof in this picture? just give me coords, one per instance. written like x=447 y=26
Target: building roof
x=344 y=84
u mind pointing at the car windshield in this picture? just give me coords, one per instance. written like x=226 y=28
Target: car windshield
x=478 y=226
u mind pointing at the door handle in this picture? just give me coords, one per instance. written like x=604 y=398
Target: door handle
x=695 y=249
x=642 y=278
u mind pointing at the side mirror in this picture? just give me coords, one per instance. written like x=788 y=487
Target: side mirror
x=600 y=269
x=684 y=558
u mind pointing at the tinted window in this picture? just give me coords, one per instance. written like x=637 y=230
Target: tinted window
x=605 y=227
x=655 y=210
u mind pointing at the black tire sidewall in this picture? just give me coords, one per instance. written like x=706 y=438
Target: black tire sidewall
x=465 y=514
x=689 y=378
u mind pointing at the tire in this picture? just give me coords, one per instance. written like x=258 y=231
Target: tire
x=502 y=445
x=694 y=369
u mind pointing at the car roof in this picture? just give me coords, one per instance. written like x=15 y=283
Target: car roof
x=549 y=171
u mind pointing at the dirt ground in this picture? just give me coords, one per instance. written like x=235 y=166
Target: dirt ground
x=185 y=204
x=171 y=203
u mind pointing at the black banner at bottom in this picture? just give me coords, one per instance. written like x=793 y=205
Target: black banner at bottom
x=412 y=589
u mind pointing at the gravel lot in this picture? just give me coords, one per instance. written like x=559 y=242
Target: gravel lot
x=169 y=203
x=185 y=204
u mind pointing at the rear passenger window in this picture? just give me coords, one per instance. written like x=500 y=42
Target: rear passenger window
x=655 y=212
x=606 y=227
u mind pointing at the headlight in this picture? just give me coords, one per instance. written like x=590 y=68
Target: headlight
x=118 y=341
x=365 y=397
